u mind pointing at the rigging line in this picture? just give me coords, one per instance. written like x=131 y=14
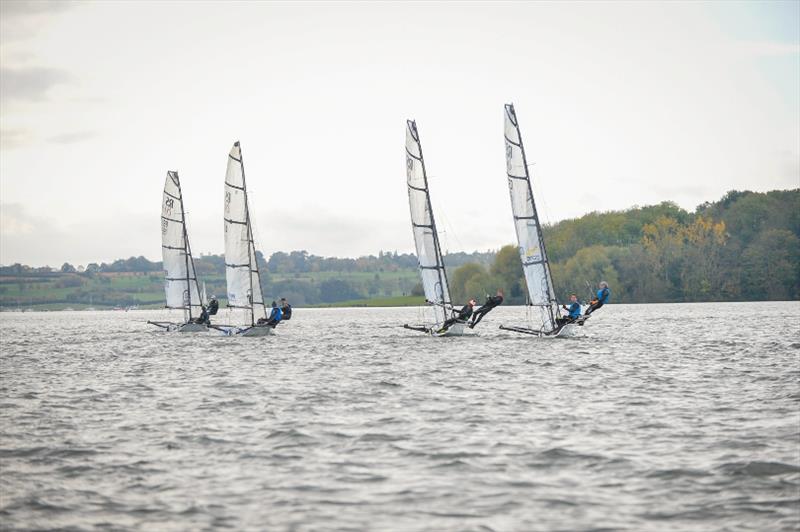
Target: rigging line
x=449 y=228
x=254 y=225
x=539 y=194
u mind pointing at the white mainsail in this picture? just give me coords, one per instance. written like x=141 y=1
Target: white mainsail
x=429 y=253
x=180 y=280
x=241 y=267
x=529 y=230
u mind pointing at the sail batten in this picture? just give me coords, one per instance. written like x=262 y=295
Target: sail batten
x=241 y=266
x=530 y=239
x=423 y=225
x=180 y=280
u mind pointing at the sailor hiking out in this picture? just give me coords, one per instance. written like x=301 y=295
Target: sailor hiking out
x=600 y=299
x=463 y=315
x=491 y=302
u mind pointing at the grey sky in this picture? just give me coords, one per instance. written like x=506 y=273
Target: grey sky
x=619 y=104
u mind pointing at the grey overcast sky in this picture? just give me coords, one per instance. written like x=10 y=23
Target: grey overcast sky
x=619 y=103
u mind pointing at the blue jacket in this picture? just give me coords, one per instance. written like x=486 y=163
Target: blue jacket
x=575 y=310
x=603 y=294
x=276 y=314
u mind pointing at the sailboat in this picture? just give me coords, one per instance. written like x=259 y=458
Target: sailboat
x=426 y=239
x=241 y=267
x=180 y=279
x=532 y=252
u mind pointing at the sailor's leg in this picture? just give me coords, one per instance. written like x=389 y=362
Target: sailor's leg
x=478 y=316
x=476 y=319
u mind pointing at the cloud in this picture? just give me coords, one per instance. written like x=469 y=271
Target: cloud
x=25 y=8
x=324 y=232
x=14 y=221
x=24 y=236
x=72 y=138
x=13 y=138
x=21 y=20
x=38 y=240
x=766 y=48
x=29 y=83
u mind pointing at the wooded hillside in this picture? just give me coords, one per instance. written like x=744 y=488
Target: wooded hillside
x=743 y=247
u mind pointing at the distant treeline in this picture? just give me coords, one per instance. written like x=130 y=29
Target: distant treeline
x=744 y=247
x=279 y=262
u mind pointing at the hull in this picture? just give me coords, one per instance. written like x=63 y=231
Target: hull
x=457 y=329
x=564 y=332
x=187 y=327
x=254 y=331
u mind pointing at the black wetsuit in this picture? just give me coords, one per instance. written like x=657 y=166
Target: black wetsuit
x=287 y=312
x=491 y=302
x=463 y=315
x=210 y=310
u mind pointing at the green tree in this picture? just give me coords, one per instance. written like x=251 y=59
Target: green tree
x=662 y=240
x=701 y=276
x=507 y=272
x=772 y=266
x=464 y=280
x=591 y=264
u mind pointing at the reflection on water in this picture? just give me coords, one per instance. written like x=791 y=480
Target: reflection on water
x=656 y=417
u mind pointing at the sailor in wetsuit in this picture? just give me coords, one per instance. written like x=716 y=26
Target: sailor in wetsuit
x=463 y=315
x=286 y=309
x=574 y=310
x=491 y=302
x=210 y=310
x=601 y=298
x=274 y=317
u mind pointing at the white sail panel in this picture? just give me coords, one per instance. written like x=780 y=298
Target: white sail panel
x=241 y=272
x=431 y=266
x=528 y=229
x=180 y=281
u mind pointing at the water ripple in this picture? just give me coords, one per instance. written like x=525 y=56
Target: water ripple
x=660 y=417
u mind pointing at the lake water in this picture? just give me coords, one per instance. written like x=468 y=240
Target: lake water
x=657 y=417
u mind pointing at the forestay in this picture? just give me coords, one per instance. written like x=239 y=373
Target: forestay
x=180 y=281
x=241 y=268
x=429 y=254
x=526 y=222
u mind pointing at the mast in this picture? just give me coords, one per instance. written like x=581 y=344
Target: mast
x=424 y=219
x=186 y=251
x=549 y=303
x=250 y=244
x=439 y=258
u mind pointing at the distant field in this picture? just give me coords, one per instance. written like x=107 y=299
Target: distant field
x=59 y=291
x=399 y=301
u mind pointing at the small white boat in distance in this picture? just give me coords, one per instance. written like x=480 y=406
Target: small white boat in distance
x=426 y=239
x=180 y=279
x=241 y=267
